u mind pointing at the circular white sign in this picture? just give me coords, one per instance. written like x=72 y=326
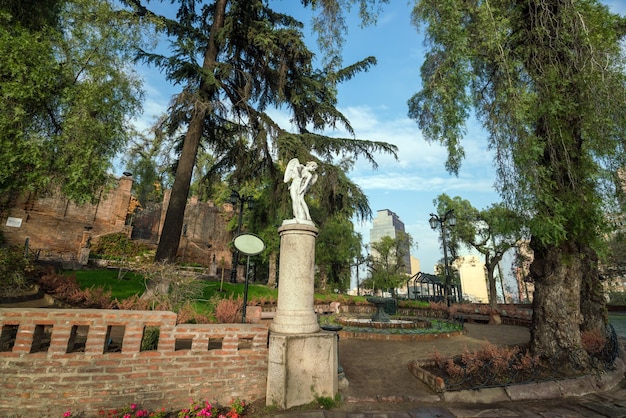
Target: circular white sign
x=249 y=244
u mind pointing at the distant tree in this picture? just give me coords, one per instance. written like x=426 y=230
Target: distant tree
x=387 y=261
x=149 y=158
x=67 y=95
x=492 y=232
x=546 y=80
x=337 y=244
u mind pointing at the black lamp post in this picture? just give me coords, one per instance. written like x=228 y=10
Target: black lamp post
x=435 y=221
x=235 y=198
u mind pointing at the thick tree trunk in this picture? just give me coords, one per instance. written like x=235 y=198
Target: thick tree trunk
x=175 y=215
x=555 y=332
x=592 y=301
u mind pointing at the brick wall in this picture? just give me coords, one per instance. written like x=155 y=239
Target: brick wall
x=88 y=359
x=59 y=228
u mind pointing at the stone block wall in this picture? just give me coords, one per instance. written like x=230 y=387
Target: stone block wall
x=88 y=360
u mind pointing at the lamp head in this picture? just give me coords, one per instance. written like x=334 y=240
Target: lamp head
x=234 y=197
x=433 y=221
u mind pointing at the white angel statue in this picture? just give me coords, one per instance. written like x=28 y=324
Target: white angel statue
x=302 y=177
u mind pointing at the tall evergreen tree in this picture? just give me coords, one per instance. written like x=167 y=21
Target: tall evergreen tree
x=546 y=80
x=252 y=58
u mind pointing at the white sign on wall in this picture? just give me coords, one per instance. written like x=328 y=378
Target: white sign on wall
x=14 y=222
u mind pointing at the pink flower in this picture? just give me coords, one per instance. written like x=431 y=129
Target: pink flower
x=133 y=406
x=68 y=413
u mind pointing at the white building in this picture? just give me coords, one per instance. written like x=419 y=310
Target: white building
x=473 y=278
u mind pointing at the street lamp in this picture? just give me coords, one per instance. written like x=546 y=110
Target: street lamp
x=448 y=219
x=235 y=198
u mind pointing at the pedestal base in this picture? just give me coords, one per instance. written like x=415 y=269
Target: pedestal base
x=301 y=367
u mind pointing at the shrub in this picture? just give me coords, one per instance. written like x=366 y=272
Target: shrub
x=65 y=288
x=169 y=288
x=118 y=245
x=188 y=314
x=14 y=270
x=229 y=311
x=490 y=366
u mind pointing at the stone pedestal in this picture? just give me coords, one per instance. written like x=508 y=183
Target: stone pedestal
x=295 y=313
x=301 y=367
x=302 y=358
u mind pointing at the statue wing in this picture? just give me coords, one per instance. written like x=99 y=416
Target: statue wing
x=291 y=171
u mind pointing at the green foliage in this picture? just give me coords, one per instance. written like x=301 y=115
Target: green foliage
x=14 y=270
x=253 y=58
x=552 y=119
x=492 y=232
x=326 y=402
x=118 y=245
x=336 y=246
x=169 y=287
x=150 y=340
x=149 y=159
x=67 y=95
x=546 y=80
x=617 y=298
x=388 y=263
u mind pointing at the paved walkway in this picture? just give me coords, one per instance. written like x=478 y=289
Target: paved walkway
x=380 y=385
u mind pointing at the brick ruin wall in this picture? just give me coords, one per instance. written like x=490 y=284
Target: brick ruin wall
x=88 y=360
x=58 y=229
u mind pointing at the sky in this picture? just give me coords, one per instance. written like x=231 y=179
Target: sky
x=375 y=102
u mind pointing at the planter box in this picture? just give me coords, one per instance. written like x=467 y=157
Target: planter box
x=563 y=388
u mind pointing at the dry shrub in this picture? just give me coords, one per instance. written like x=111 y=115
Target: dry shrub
x=492 y=365
x=168 y=288
x=188 y=315
x=58 y=284
x=229 y=311
x=97 y=297
x=593 y=341
x=134 y=302
x=66 y=289
x=438 y=306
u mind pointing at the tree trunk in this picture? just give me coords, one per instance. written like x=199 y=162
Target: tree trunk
x=175 y=215
x=491 y=280
x=555 y=331
x=592 y=301
x=273 y=270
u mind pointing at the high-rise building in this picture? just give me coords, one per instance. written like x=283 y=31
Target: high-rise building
x=388 y=224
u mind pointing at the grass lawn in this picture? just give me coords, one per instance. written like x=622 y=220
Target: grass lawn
x=133 y=284
x=130 y=284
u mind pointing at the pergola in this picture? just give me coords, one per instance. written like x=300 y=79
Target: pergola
x=429 y=287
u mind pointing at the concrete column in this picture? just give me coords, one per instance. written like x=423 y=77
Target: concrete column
x=295 y=313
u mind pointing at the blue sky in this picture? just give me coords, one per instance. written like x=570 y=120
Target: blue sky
x=376 y=104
